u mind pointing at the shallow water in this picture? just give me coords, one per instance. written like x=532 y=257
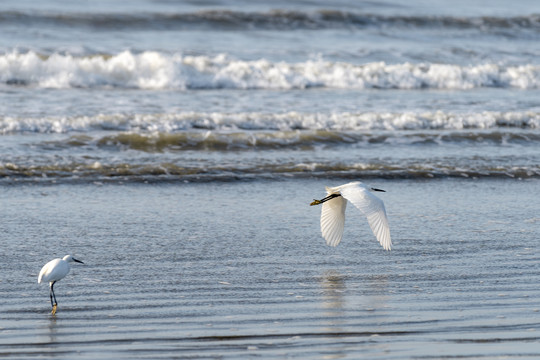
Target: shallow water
x=175 y=146
x=239 y=270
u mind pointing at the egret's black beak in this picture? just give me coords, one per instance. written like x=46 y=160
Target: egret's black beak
x=329 y=197
x=378 y=190
x=79 y=261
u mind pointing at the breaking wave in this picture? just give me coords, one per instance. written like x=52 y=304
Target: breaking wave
x=155 y=70
x=287 y=121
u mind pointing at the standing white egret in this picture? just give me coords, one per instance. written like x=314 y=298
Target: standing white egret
x=53 y=271
x=333 y=212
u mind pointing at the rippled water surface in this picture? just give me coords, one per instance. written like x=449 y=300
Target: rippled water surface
x=175 y=146
x=239 y=270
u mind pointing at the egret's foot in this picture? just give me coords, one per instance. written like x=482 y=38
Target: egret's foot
x=315 y=202
x=53 y=309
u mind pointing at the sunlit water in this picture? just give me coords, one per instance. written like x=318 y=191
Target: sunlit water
x=175 y=147
x=239 y=270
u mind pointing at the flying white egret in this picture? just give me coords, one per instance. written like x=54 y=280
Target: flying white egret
x=53 y=271
x=333 y=212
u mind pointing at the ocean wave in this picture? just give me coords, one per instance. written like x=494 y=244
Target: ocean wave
x=248 y=123
x=155 y=70
x=170 y=172
x=271 y=20
x=281 y=140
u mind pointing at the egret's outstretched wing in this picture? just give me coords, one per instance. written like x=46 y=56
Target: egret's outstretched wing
x=373 y=208
x=333 y=220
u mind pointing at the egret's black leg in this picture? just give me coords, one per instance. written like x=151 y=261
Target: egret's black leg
x=51 y=294
x=52 y=290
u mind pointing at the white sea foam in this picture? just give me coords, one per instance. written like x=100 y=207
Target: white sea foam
x=154 y=70
x=344 y=121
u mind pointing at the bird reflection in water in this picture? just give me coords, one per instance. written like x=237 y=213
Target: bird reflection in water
x=53 y=329
x=351 y=305
x=367 y=294
x=333 y=286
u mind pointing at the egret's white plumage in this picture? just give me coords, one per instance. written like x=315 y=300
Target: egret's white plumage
x=333 y=212
x=54 y=271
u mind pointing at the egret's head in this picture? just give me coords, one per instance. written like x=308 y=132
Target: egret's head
x=69 y=258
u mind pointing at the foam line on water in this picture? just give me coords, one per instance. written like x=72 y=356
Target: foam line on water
x=284 y=121
x=157 y=70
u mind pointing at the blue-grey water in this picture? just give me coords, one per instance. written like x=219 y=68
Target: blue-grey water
x=175 y=146
x=239 y=270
